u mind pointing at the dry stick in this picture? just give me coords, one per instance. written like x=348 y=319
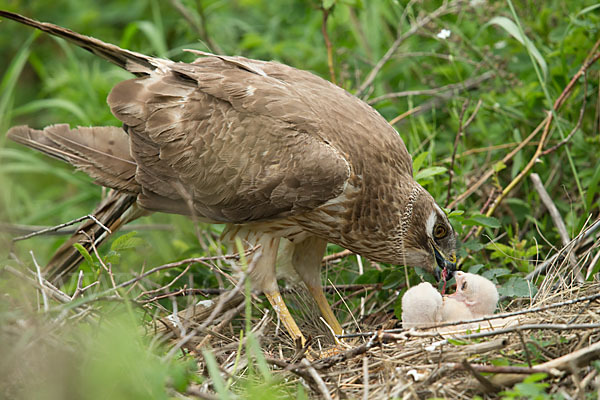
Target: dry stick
x=489 y=386
x=200 y=28
x=551 y=207
x=365 y=378
x=328 y=45
x=40 y=281
x=574 y=245
x=356 y=288
x=401 y=37
x=54 y=292
x=459 y=134
x=504 y=369
x=404 y=115
x=578 y=358
x=556 y=218
x=492 y=171
x=456 y=139
x=579 y=121
x=289 y=367
x=538 y=152
x=57 y=227
x=454 y=87
x=18 y=229
x=317 y=378
x=336 y=256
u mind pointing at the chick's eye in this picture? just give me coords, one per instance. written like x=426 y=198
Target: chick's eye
x=464 y=286
x=439 y=231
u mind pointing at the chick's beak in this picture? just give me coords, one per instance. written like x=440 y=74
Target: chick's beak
x=444 y=263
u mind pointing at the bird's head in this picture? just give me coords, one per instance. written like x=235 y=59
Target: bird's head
x=426 y=237
x=478 y=293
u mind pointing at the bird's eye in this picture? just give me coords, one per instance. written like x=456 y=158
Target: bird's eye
x=464 y=286
x=439 y=231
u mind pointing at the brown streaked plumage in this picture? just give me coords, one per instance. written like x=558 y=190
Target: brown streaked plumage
x=272 y=151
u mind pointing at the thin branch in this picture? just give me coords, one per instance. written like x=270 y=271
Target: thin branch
x=317 y=378
x=328 y=45
x=456 y=140
x=573 y=245
x=52 y=228
x=453 y=87
x=401 y=37
x=18 y=229
x=577 y=126
x=40 y=281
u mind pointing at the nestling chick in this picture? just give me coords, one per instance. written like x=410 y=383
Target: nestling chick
x=421 y=306
x=476 y=292
x=454 y=310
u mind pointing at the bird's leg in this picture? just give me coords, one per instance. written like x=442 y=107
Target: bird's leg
x=306 y=259
x=263 y=277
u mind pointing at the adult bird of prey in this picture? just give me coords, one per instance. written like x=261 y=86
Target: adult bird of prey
x=272 y=151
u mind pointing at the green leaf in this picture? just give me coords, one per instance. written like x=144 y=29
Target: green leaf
x=418 y=162
x=215 y=374
x=429 y=172
x=482 y=220
x=327 y=4
x=393 y=279
x=86 y=255
x=126 y=241
x=499 y=166
x=517 y=286
x=509 y=26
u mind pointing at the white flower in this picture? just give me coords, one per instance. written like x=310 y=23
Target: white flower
x=475 y=3
x=500 y=45
x=444 y=34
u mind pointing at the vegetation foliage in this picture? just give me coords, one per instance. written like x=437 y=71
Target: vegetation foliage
x=466 y=82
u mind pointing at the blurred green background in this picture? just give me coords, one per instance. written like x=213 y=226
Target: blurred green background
x=46 y=81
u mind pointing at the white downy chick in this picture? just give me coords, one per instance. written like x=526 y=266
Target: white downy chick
x=476 y=292
x=421 y=306
x=454 y=310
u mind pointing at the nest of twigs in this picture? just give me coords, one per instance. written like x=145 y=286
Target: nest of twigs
x=555 y=333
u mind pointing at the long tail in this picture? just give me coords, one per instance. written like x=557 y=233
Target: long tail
x=103 y=153
x=129 y=60
x=114 y=211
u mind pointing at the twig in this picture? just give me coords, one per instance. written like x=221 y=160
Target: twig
x=80 y=290
x=577 y=125
x=454 y=87
x=578 y=358
x=355 y=288
x=40 y=281
x=54 y=292
x=574 y=245
x=525 y=350
x=405 y=114
x=401 y=37
x=480 y=378
x=18 y=229
x=538 y=152
x=57 y=227
x=365 y=378
x=459 y=134
x=200 y=28
x=336 y=256
x=328 y=44
x=296 y=369
x=472 y=188
x=317 y=378
x=549 y=204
